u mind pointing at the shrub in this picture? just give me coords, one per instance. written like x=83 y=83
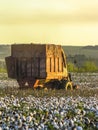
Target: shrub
x=90 y=66
x=2 y=70
x=72 y=67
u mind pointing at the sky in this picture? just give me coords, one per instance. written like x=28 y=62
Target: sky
x=65 y=22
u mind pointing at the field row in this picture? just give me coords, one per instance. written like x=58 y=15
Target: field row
x=84 y=80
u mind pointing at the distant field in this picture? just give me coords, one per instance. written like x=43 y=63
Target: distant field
x=80 y=50
x=5 y=50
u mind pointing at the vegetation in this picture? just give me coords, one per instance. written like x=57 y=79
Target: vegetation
x=80 y=59
x=5 y=50
x=84 y=92
x=80 y=50
x=88 y=66
x=3 y=70
x=2 y=66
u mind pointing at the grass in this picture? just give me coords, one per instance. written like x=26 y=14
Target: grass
x=3 y=70
x=48 y=93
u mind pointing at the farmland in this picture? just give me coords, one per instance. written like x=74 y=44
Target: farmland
x=84 y=80
x=80 y=50
x=51 y=109
x=69 y=50
x=57 y=109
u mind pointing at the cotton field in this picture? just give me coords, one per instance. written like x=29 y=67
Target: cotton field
x=50 y=109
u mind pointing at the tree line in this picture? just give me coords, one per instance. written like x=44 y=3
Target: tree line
x=88 y=66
